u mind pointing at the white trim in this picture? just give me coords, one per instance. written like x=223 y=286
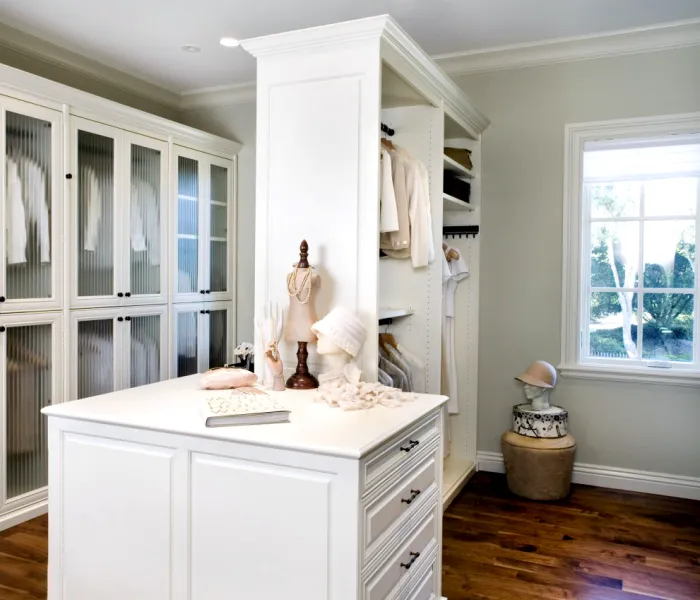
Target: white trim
x=24 y=513
x=665 y=36
x=220 y=95
x=576 y=136
x=616 y=478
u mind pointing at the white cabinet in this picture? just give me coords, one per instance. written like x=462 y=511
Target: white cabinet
x=31 y=277
x=119 y=188
x=31 y=368
x=203 y=227
x=201 y=337
x=117 y=348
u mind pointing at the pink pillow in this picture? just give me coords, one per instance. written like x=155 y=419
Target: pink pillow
x=224 y=378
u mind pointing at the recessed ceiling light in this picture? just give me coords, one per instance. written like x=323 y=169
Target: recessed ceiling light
x=229 y=42
x=191 y=48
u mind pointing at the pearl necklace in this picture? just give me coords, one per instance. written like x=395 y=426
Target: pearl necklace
x=297 y=292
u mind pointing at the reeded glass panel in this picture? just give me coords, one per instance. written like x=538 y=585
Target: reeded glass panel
x=95 y=214
x=28 y=207
x=187 y=224
x=219 y=229
x=28 y=380
x=187 y=323
x=217 y=338
x=95 y=357
x=145 y=350
x=145 y=220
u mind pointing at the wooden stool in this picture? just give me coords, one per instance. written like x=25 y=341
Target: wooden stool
x=538 y=468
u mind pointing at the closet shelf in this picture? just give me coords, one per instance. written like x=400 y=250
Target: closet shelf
x=451 y=203
x=455 y=168
x=385 y=314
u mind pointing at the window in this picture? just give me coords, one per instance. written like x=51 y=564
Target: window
x=630 y=281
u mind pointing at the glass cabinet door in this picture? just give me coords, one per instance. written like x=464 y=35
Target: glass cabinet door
x=95 y=339
x=29 y=385
x=96 y=215
x=219 y=336
x=187 y=330
x=145 y=347
x=190 y=184
x=32 y=208
x=147 y=187
x=220 y=228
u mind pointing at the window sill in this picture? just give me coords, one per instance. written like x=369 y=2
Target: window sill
x=632 y=375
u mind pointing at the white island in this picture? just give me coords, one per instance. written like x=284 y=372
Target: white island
x=146 y=503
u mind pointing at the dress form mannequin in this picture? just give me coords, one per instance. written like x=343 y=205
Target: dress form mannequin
x=539 y=379
x=302 y=285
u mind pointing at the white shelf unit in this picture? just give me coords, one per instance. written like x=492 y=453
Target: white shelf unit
x=393 y=313
x=452 y=166
x=453 y=204
x=97 y=262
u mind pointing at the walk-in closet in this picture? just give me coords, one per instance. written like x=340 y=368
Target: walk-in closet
x=117 y=236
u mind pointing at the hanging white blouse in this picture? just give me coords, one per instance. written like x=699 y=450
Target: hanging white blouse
x=145 y=220
x=36 y=205
x=388 y=215
x=16 y=219
x=91 y=201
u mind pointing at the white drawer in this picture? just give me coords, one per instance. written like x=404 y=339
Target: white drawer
x=399 y=450
x=425 y=585
x=395 y=505
x=397 y=567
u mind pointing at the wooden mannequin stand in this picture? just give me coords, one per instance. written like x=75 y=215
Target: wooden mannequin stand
x=302 y=378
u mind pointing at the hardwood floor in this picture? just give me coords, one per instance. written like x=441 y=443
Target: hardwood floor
x=597 y=545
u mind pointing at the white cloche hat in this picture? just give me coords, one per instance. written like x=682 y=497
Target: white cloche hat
x=344 y=328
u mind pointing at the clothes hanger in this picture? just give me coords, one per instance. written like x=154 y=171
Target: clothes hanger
x=450 y=253
x=387 y=338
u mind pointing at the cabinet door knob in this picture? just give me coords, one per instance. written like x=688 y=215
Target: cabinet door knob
x=128 y=294
x=120 y=319
x=202 y=292
x=2 y=298
x=2 y=329
x=201 y=312
x=128 y=318
x=69 y=176
x=208 y=292
x=120 y=295
x=207 y=311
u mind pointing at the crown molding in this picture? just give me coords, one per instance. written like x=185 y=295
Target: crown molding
x=221 y=95
x=667 y=36
x=50 y=53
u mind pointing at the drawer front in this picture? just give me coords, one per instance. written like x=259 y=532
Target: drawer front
x=399 y=450
x=397 y=503
x=398 y=566
x=425 y=588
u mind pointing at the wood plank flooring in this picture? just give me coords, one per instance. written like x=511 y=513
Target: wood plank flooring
x=598 y=544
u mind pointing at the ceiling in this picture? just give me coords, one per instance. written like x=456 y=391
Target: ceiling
x=143 y=38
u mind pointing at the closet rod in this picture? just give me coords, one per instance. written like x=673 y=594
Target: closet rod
x=387 y=321
x=388 y=130
x=460 y=230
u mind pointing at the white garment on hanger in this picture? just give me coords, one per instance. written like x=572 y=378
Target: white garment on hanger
x=145 y=220
x=16 y=218
x=425 y=179
x=91 y=202
x=453 y=272
x=139 y=366
x=419 y=215
x=36 y=204
x=388 y=215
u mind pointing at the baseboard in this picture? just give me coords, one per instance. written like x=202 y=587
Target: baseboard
x=615 y=478
x=23 y=514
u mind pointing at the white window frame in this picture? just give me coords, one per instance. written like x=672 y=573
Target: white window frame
x=575 y=244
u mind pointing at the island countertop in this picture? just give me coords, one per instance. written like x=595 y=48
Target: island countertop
x=173 y=406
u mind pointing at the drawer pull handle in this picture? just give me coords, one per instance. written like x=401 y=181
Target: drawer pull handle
x=411 y=445
x=409 y=564
x=414 y=493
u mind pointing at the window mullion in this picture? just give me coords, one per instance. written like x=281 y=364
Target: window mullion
x=696 y=323
x=640 y=276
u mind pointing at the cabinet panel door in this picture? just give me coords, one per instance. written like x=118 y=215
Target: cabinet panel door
x=190 y=183
x=186 y=337
x=96 y=337
x=32 y=207
x=97 y=216
x=31 y=367
x=219 y=335
x=294 y=503
x=220 y=228
x=146 y=257
x=144 y=361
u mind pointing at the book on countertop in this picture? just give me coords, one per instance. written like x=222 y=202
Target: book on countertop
x=242 y=406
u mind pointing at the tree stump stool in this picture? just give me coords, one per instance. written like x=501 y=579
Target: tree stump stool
x=538 y=468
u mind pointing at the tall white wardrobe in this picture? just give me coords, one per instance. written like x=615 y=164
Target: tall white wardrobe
x=322 y=95
x=118 y=265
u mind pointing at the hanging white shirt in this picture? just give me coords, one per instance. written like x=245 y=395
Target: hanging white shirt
x=145 y=220
x=388 y=213
x=36 y=204
x=91 y=202
x=16 y=218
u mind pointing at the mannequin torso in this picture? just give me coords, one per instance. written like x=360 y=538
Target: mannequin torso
x=302 y=285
